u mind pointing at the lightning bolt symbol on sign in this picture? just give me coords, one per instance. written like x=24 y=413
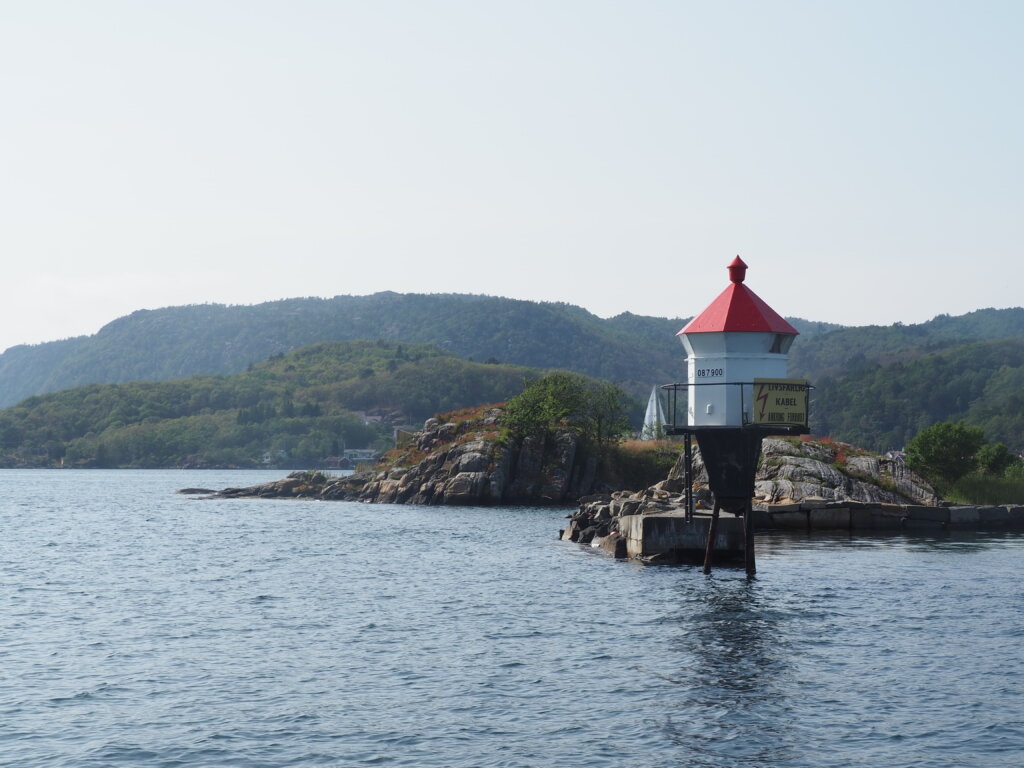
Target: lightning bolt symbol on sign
x=762 y=398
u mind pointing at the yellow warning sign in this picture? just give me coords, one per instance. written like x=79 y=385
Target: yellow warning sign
x=780 y=402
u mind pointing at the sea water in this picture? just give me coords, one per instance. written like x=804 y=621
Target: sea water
x=140 y=627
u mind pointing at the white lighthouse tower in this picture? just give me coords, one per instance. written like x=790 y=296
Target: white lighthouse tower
x=736 y=340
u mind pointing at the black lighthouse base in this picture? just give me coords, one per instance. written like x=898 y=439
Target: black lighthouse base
x=730 y=456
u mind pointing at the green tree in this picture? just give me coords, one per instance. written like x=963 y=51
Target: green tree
x=596 y=411
x=995 y=459
x=945 y=452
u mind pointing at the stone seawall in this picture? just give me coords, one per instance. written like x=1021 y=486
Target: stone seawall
x=859 y=516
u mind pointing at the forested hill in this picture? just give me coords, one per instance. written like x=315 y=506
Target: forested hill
x=884 y=406
x=843 y=351
x=632 y=351
x=159 y=345
x=293 y=409
x=878 y=386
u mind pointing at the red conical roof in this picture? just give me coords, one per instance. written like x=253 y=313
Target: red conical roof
x=738 y=308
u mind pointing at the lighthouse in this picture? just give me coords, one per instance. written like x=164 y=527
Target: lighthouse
x=736 y=340
x=737 y=393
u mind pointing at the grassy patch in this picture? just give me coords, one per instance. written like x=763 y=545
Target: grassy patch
x=985 y=489
x=408 y=457
x=639 y=464
x=460 y=417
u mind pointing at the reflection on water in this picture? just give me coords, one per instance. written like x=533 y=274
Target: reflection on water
x=733 y=706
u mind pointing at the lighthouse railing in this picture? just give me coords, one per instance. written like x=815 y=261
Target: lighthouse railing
x=784 y=419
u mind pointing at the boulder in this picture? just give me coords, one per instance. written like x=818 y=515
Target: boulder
x=466 y=488
x=471 y=461
x=867 y=466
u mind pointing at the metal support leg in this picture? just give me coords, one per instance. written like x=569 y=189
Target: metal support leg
x=712 y=532
x=688 y=475
x=748 y=540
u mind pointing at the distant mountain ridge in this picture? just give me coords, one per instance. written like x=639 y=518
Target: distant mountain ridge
x=845 y=350
x=876 y=386
x=175 y=342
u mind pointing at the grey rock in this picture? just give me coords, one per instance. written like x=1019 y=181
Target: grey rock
x=465 y=488
x=471 y=461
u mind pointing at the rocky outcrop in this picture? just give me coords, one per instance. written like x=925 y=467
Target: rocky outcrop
x=466 y=459
x=794 y=470
x=807 y=484
x=463 y=461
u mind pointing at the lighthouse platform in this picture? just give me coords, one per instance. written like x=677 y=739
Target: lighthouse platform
x=656 y=530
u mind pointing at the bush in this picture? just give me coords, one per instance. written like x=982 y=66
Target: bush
x=945 y=452
x=1015 y=471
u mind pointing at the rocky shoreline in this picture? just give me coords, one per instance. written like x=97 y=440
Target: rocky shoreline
x=464 y=459
x=801 y=485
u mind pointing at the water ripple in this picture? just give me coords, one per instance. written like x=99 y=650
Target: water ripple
x=143 y=628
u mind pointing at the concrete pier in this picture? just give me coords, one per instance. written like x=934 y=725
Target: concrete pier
x=670 y=537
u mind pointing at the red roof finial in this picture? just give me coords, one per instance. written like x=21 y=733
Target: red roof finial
x=737 y=270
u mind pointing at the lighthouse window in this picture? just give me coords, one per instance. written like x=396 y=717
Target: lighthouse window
x=777 y=343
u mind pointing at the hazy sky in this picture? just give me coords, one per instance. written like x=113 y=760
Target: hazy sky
x=864 y=158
